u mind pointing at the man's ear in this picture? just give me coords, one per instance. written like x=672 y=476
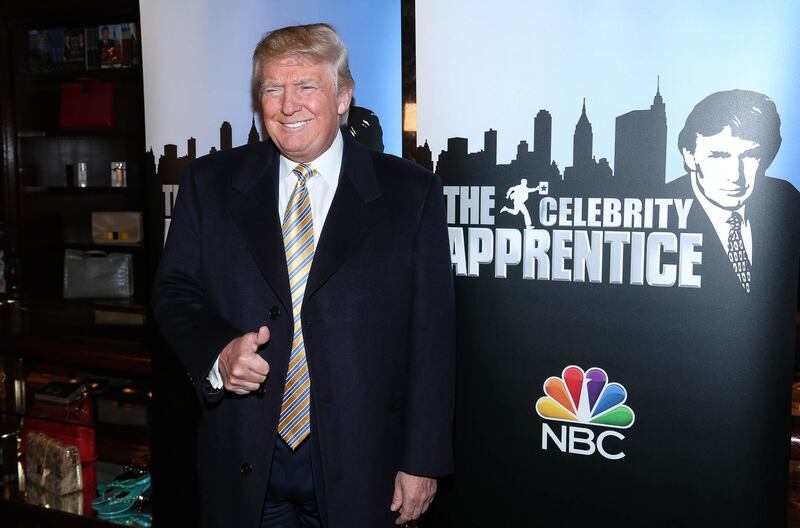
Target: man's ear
x=688 y=160
x=343 y=100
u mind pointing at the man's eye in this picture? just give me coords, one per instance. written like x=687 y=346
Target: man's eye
x=307 y=88
x=271 y=92
x=720 y=154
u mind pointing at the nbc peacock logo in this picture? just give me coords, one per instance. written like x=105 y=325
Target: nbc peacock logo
x=585 y=398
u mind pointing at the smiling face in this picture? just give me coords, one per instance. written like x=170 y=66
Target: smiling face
x=725 y=167
x=301 y=107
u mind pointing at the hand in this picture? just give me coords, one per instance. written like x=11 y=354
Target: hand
x=243 y=370
x=412 y=496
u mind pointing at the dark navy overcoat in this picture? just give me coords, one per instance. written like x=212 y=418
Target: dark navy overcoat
x=378 y=324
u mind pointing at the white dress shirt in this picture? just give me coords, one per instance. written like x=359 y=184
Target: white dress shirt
x=719 y=219
x=321 y=188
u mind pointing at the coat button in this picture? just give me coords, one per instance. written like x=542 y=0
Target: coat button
x=246 y=469
x=274 y=312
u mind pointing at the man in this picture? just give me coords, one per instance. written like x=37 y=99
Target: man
x=519 y=195
x=107 y=46
x=750 y=220
x=734 y=333
x=310 y=255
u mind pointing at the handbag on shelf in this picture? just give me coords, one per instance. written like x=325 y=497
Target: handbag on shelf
x=71 y=424
x=96 y=274
x=70 y=503
x=87 y=105
x=116 y=227
x=53 y=465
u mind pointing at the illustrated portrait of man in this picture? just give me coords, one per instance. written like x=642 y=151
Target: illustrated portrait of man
x=306 y=287
x=728 y=142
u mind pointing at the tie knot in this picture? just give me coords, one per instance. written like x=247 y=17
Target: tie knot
x=735 y=220
x=303 y=171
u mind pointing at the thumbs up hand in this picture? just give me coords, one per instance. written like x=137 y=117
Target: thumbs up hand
x=241 y=368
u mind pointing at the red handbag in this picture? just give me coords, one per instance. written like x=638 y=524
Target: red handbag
x=87 y=105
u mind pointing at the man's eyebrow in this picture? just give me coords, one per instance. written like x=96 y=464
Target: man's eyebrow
x=753 y=151
x=306 y=80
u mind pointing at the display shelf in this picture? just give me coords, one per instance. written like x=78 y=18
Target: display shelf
x=35 y=135
x=43 y=412
x=17 y=501
x=121 y=450
x=84 y=423
x=44 y=316
x=114 y=444
x=130 y=440
x=123 y=305
x=101 y=405
x=14 y=507
x=83 y=246
x=40 y=109
x=70 y=191
x=131 y=73
x=46 y=213
x=117 y=356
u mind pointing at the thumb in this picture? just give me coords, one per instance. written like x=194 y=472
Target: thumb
x=397 y=498
x=262 y=336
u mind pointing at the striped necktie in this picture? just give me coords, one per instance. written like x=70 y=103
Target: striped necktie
x=298 y=240
x=737 y=253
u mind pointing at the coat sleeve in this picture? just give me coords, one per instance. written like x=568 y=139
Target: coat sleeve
x=428 y=431
x=181 y=308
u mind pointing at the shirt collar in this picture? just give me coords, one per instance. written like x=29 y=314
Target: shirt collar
x=327 y=166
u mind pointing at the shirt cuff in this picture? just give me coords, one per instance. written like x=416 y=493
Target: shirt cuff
x=214 y=377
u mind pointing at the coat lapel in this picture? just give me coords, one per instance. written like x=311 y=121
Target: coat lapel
x=254 y=208
x=350 y=216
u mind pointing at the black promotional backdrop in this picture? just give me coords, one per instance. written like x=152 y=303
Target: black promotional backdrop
x=705 y=366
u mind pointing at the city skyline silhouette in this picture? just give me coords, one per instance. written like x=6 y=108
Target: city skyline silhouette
x=639 y=156
x=362 y=123
x=170 y=166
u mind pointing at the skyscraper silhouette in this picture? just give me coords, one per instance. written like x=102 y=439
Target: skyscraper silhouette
x=490 y=146
x=171 y=151
x=585 y=172
x=458 y=165
x=424 y=156
x=582 y=141
x=522 y=150
x=542 y=140
x=225 y=136
x=253 y=136
x=640 y=153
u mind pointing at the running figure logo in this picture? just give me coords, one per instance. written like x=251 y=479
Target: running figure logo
x=518 y=194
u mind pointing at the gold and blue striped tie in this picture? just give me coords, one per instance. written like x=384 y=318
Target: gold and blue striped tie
x=298 y=240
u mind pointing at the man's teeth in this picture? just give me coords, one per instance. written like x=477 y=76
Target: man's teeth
x=298 y=124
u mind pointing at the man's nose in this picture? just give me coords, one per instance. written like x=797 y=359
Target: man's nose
x=289 y=104
x=740 y=171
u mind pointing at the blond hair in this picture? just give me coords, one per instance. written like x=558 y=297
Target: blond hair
x=319 y=42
